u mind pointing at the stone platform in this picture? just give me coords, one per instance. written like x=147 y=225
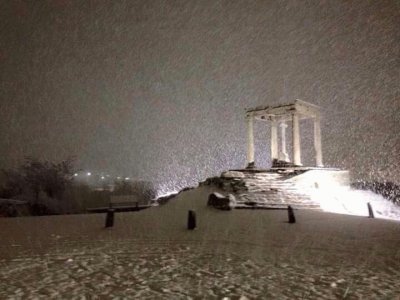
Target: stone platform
x=276 y=188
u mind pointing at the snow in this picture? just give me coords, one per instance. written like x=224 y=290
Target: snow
x=235 y=254
x=344 y=200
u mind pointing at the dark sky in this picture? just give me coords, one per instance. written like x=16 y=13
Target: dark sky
x=157 y=89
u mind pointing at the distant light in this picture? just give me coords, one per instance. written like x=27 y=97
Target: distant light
x=127 y=178
x=89 y=174
x=102 y=177
x=118 y=177
x=76 y=174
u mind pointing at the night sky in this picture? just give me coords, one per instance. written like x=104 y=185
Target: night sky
x=156 y=90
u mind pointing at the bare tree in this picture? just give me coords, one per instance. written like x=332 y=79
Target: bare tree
x=35 y=177
x=46 y=176
x=144 y=190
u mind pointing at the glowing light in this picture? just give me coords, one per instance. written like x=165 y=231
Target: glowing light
x=76 y=174
x=89 y=174
x=343 y=200
x=102 y=177
x=334 y=197
x=127 y=178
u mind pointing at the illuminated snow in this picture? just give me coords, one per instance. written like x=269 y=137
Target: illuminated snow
x=354 y=202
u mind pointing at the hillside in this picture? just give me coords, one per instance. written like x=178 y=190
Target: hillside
x=240 y=253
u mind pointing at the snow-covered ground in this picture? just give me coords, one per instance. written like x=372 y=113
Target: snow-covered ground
x=354 y=202
x=238 y=254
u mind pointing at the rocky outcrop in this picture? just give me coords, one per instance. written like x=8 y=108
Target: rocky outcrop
x=221 y=202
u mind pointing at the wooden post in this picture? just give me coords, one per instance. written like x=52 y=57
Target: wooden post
x=370 y=211
x=191 y=222
x=291 y=216
x=110 y=218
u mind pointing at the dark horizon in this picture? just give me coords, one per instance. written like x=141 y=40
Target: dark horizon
x=158 y=91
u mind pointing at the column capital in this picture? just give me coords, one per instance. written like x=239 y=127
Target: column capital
x=249 y=115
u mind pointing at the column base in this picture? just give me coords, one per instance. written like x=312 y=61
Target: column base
x=276 y=163
x=251 y=165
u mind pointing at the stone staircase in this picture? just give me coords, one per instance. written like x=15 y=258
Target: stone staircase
x=268 y=189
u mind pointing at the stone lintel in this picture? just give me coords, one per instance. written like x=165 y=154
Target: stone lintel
x=284 y=112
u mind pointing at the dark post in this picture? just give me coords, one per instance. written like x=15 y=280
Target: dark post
x=191 y=224
x=370 y=211
x=292 y=219
x=110 y=218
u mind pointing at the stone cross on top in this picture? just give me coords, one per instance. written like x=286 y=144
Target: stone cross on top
x=280 y=115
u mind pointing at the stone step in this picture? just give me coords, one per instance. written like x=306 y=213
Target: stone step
x=268 y=190
x=278 y=206
x=276 y=199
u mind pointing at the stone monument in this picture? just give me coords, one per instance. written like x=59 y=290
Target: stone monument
x=281 y=115
x=287 y=182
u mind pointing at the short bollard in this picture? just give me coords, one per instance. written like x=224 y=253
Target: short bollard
x=110 y=218
x=191 y=222
x=292 y=219
x=370 y=211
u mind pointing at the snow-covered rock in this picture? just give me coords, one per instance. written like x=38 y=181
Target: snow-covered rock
x=232 y=174
x=219 y=201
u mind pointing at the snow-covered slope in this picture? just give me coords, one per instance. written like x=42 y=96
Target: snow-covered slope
x=237 y=254
x=354 y=202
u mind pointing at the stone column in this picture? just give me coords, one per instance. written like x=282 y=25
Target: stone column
x=274 y=140
x=296 y=140
x=250 y=142
x=317 y=142
x=283 y=155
